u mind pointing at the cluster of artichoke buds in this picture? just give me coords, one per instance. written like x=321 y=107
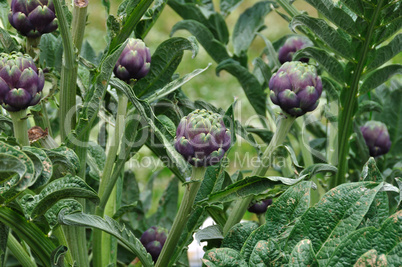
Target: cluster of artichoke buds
x=292 y=45
x=260 y=206
x=296 y=88
x=202 y=138
x=153 y=240
x=377 y=138
x=134 y=62
x=21 y=82
x=33 y=18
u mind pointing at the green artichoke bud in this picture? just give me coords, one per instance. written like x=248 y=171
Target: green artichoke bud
x=134 y=62
x=296 y=88
x=153 y=240
x=32 y=18
x=376 y=135
x=292 y=45
x=202 y=138
x=21 y=82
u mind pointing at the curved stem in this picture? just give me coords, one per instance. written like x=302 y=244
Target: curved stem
x=182 y=216
x=278 y=138
x=19 y=252
x=347 y=111
x=20 y=125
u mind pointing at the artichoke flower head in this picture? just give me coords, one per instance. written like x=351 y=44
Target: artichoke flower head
x=202 y=138
x=377 y=138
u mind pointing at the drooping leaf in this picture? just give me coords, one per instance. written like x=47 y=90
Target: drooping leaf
x=210 y=233
x=47 y=167
x=248 y=81
x=385 y=31
x=378 y=57
x=112 y=227
x=368 y=106
x=7 y=42
x=96 y=158
x=223 y=257
x=326 y=33
x=204 y=36
x=65 y=157
x=57 y=257
x=70 y=206
x=227 y=6
x=318 y=168
x=303 y=254
x=378 y=77
x=328 y=62
x=238 y=234
x=149 y=19
x=338 y=213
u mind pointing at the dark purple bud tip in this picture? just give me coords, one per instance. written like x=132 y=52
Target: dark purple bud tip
x=134 y=62
x=202 y=138
x=296 y=88
x=153 y=240
x=292 y=45
x=377 y=138
x=260 y=206
x=21 y=82
x=33 y=18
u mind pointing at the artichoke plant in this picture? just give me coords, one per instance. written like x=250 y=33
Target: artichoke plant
x=296 y=88
x=202 y=138
x=377 y=138
x=292 y=45
x=153 y=240
x=32 y=18
x=21 y=82
x=134 y=62
x=260 y=206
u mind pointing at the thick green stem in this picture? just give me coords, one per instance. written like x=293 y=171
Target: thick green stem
x=348 y=109
x=42 y=119
x=278 y=138
x=182 y=216
x=19 y=252
x=102 y=241
x=78 y=23
x=32 y=45
x=261 y=218
x=20 y=124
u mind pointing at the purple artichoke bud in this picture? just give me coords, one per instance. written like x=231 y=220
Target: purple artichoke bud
x=260 y=206
x=153 y=240
x=134 y=62
x=21 y=82
x=202 y=138
x=296 y=88
x=292 y=45
x=376 y=135
x=32 y=18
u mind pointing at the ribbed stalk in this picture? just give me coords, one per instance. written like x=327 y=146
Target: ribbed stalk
x=20 y=125
x=78 y=23
x=102 y=241
x=19 y=252
x=278 y=138
x=182 y=216
x=347 y=111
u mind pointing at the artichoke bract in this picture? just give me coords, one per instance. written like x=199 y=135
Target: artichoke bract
x=153 y=240
x=21 y=82
x=202 y=138
x=134 y=62
x=296 y=88
x=292 y=45
x=377 y=138
x=32 y=18
x=260 y=206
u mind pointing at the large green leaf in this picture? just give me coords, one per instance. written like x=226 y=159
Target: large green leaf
x=66 y=187
x=52 y=214
x=238 y=234
x=386 y=240
x=248 y=24
x=338 y=213
x=265 y=253
x=378 y=77
x=205 y=37
x=379 y=56
x=7 y=42
x=251 y=86
x=303 y=255
x=112 y=227
x=225 y=257
x=65 y=157
x=164 y=60
x=385 y=31
x=332 y=65
x=326 y=33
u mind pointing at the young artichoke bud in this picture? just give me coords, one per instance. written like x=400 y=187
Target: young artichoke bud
x=134 y=62
x=292 y=45
x=32 y=18
x=376 y=135
x=202 y=138
x=21 y=82
x=153 y=240
x=296 y=88
x=260 y=206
